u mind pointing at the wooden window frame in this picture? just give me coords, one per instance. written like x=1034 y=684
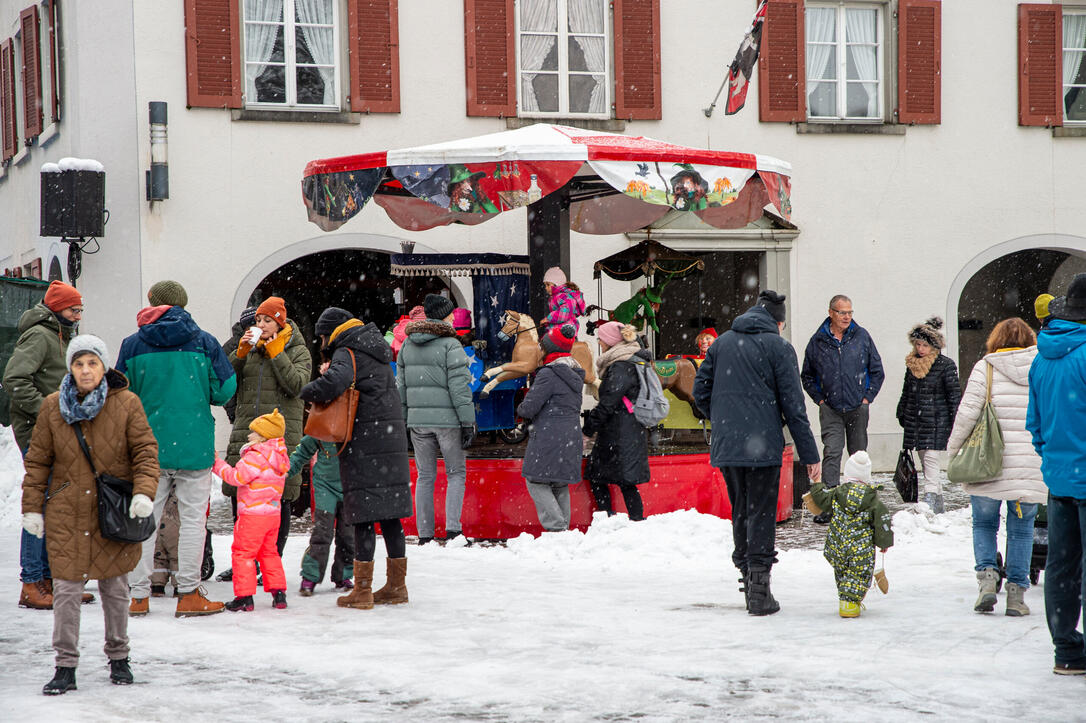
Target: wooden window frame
x=882 y=62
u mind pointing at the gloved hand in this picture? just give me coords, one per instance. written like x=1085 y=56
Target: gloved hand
x=141 y=506
x=34 y=523
x=467 y=435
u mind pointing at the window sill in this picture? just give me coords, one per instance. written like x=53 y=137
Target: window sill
x=21 y=157
x=1069 y=132
x=877 y=129
x=297 y=116
x=47 y=135
x=615 y=125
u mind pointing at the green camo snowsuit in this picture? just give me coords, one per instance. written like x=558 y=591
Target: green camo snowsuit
x=860 y=523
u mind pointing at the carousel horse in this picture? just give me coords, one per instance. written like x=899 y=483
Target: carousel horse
x=677 y=376
x=528 y=355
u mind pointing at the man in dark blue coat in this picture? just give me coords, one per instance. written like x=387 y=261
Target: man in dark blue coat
x=748 y=385
x=842 y=373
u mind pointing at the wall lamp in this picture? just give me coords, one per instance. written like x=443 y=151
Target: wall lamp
x=158 y=178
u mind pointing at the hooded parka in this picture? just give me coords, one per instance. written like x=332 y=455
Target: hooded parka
x=122 y=444
x=621 y=452
x=373 y=468
x=433 y=377
x=928 y=404
x=36 y=367
x=553 y=406
x=1056 y=418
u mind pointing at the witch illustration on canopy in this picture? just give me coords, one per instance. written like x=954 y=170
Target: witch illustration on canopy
x=689 y=189
x=464 y=192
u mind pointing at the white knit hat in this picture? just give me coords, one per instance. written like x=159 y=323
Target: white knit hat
x=858 y=468
x=554 y=275
x=87 y=342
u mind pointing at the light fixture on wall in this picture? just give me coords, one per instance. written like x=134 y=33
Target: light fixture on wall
x=158 y=178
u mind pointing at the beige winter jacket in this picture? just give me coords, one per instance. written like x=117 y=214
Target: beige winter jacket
x=1021 y=477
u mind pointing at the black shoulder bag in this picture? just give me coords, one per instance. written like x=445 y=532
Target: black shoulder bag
x=114 y=500
x=905 y=477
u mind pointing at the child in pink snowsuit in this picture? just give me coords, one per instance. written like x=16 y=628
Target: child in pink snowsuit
x=565 y=304
x=259 y=475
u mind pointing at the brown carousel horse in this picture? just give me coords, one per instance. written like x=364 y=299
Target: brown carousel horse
x=527 y=354
x=677 y=376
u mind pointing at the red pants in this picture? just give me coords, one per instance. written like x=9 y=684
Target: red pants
x=254 y=540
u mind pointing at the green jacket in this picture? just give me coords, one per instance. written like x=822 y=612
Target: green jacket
x=432 y=377
x=327 y=489
x=860 y=522
x=266 y=383
x=36 y=367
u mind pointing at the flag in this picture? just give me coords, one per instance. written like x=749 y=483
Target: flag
x=741 y=68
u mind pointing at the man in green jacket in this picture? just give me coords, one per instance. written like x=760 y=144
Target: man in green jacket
x=435 y=388
x=33 y=372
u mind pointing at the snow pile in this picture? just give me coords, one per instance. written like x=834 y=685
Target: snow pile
x=11 y=480
x=73 y=164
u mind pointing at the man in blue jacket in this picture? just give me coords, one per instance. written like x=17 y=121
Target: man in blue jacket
x=748 y=386
x=842 y=373
x=1056 y=418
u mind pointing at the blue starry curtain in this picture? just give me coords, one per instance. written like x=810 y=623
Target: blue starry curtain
x=493 y=295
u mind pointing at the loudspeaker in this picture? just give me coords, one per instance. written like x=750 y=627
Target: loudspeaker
x=73 y=203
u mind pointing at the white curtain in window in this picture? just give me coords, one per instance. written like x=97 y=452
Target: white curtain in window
x=1074 y=36
x=820 y=26
x=319 y=40
x=586 y=16
x=535 y=15
x=259 y=39
x=861 y=29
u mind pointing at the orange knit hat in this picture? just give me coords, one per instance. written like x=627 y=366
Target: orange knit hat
x=269 y=426
x=274 y=307
x=60 y=296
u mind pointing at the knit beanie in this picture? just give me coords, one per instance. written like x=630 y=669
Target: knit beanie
x=168 y=293
x=276 y=308
x=709 y=331
x=615 y=332
x=554 y=275
x=417 y=313
x=248 y=316
x=87 y=343
x=60 y=296
x=1040 y=306
x=559 y=339
x=269 y=426
x=928 y=332
x=437 y=306
x=461 y=318
x=772 y=302
x=329 y=319
x=858 y=467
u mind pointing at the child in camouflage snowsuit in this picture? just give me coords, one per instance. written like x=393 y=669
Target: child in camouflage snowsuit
x=860 y=523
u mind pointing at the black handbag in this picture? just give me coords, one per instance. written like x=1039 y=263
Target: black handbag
x=114 y=501
x=905 y=476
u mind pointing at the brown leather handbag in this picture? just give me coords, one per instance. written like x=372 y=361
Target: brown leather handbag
x=334 y=421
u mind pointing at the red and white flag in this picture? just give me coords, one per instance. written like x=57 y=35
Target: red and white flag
x=743 y=66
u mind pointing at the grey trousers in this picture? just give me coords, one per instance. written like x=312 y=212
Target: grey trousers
x=67 y=597
x=840 y=429
x=551 y=504
x=193 y=490
x=428 y=441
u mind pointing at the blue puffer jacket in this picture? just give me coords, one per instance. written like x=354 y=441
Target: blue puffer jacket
x=1057 y=407
x=842 y=373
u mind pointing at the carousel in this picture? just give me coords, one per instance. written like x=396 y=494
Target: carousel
x=591 y=182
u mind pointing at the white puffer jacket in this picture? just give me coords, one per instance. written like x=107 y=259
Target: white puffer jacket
x=1021 y=477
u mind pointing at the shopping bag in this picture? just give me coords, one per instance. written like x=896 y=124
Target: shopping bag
x=981 y=457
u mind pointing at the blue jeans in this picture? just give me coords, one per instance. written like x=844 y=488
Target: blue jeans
x=33 y=558
x=1019 y=536
x=1065 y=594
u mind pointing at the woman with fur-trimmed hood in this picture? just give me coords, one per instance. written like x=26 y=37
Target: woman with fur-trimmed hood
x=929 y=401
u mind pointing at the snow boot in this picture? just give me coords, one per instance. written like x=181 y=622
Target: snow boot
x=425 y=540
x=987 y=579
x=345 y=585
x=158 y=591
x=1016 y=606
x=1059 y=668
x=138 y=607
x=744 y=587
x=361 y=597
x=824 y=518
x=241 y=604
x=63 y=681
x=279 y=599
x=36 y=596
x=935 y=502
x=192 y=604
x=395 y=590
x=760 y=599
x=226 y=575
x=306 y=590
x=120 y=672
x=849 y=609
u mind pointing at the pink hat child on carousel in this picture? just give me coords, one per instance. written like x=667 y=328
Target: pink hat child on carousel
x=565 y=302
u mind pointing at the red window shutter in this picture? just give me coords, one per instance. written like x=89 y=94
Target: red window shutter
x=8 y=128
x=30 y=30
x=1040 y=65
x=919 y=62
x=490 y=57
x=54 y=59
x=637 y=59
x=213 y=53
x=374 y=40
x=782 y=80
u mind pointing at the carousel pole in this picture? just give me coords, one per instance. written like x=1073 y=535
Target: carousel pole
x=548 y=244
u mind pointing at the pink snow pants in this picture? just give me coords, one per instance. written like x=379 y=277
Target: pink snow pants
x=254 y=540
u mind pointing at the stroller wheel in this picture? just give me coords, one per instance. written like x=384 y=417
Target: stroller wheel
x=207 y=569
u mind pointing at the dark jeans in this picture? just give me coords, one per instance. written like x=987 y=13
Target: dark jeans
x=1064 y=590
x=365 y=540
x=630 y=496
x=753 y=494
x=840 y=429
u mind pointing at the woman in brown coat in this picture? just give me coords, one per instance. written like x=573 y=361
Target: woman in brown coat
x=59 y=481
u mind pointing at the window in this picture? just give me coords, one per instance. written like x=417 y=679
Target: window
x=291 y=51
x=563 y=51
x=844 y=62
x=1074 y=66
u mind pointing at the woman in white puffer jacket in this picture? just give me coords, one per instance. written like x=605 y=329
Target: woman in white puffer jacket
x=1011 y=347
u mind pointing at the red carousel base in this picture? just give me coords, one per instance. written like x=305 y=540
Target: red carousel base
x=497 y=505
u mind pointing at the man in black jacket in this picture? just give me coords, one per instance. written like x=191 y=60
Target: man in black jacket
x=748 y=385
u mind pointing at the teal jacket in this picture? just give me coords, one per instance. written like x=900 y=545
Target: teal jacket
x=178 y=371
x=327 y=489
x=433 y=378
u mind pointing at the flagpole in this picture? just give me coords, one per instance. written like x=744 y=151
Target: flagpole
x=709 y=111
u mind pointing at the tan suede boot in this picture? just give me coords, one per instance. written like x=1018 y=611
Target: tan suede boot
x=194 y=604
x=35 y=596
x=395 y=590
x=361 y=597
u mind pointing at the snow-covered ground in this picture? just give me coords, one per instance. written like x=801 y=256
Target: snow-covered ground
x=635 y=621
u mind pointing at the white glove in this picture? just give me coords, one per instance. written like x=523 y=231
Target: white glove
x=252 y=336
x=141 y=506
x=34 y=523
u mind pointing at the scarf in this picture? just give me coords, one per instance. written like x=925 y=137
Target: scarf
x=75 y=411
x=619 y=352
x=920 y=366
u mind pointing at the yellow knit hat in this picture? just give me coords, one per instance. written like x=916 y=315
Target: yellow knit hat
x=269 y=426
x=1040 y=305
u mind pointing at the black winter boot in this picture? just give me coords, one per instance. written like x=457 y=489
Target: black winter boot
x=760 y=600
x=744 y=587
x=63 y=681
x=241 y=604
x=120 y=673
